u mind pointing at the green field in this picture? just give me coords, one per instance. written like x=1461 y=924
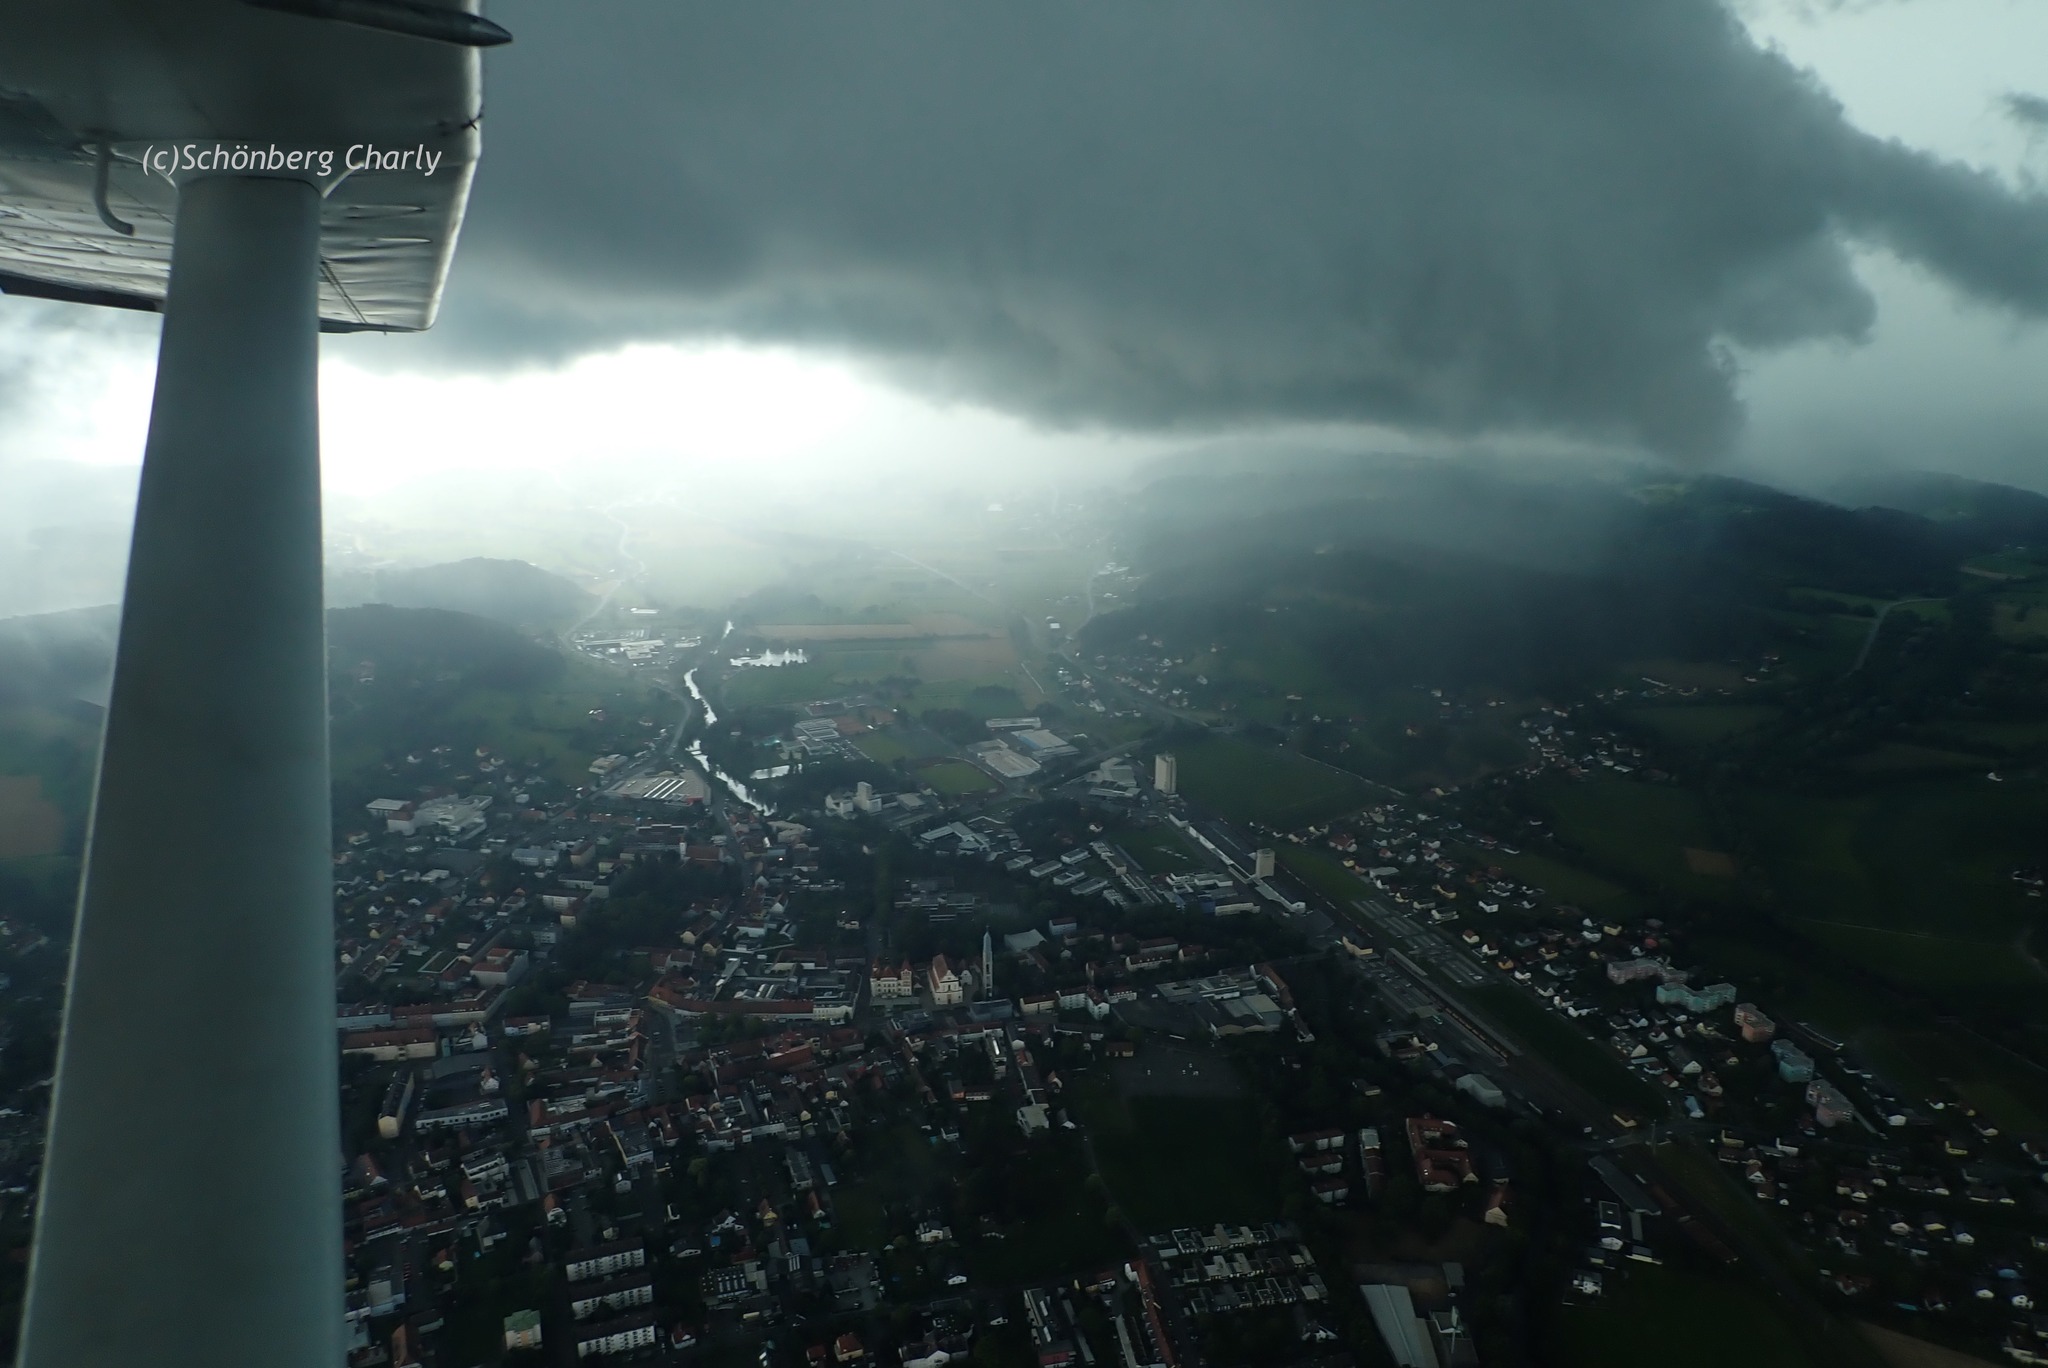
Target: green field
x=883 y=747
x=1933 y=855
x=535 y=731
x=1325 y=873
x=1567 y=883
x=1660 y=1316
x=1242 y=781
x=857 y=1214
x=950 y=666
x=1265 y=662
x=1772 y=969
x=1173 y=1161
x=955 y=778
x=1567 y=1049
x=547 y=728
x=1639 y=829
x=1051 y=1220
x=1835 y=640
x=2017 y=737
x=781 y=685
x=1157 y=849
x=1897 y=759
x=2009 y=1091
x=1703 y=724
x=1938 y=963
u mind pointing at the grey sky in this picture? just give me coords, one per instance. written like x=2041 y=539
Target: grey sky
x=1615 y=221
x=1457 y=216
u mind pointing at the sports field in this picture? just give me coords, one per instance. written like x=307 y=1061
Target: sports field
x=957 y=778
x=1244 y=781
x=1158 y=849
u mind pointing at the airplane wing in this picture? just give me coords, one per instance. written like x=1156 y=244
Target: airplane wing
x=141 y=79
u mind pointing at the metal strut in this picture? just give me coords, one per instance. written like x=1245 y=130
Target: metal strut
x=191 y=1199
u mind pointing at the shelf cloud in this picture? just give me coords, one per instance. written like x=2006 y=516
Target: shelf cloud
x=1572 y=216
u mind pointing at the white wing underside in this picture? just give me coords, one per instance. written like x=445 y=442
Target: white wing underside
x=136 y=73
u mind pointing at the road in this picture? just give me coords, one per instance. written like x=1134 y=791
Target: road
x=604 y=601
x=1877 y=626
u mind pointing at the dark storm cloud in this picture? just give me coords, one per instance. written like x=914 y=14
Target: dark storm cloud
x=2029 y=111
x=1456 y=215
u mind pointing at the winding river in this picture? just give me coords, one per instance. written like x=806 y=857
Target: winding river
x=733 y=786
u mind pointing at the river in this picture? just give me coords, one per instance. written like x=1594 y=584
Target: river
x=733 y=786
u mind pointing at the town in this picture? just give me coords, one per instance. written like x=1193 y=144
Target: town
x=877 y=1080
x=906 y=984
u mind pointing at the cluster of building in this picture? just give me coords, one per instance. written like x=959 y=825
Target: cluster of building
x=1238 y=1268
x=639 y=647
x=1167 y=675
x=1128 y=1298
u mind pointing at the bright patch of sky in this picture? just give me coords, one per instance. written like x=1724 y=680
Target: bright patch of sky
x=1943 y=383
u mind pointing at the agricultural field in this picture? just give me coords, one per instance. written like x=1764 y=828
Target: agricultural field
x=1684 y=674
x=2011 y=1092
x=1922 y=1062
x=2013 y=737
x=1247 y=782
x=1940 y=964
x=1932 y=855
x=1770 y=968
x=1710 y=1184
x=1325 y=873
x=781 y=686
x=1831 y=645
x=546 y=727
x=979 y=674
x=1568 y=883
x=1260 y=670
x=1899 y=759
x=1638 y=829
x=2020 y=617
x=1703 y=724
x=1404 y=740
x=2016 y=563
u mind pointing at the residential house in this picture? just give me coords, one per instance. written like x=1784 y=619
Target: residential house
x=1696 y=1000
x=1755 y=1026
x=1794 y=1064
x=1443 y=1159
x=522 y=1330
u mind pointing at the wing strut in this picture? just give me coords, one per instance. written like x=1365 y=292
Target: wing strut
x=191 y=1198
